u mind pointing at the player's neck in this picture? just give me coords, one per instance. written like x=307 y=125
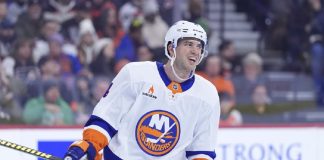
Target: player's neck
x=172 y=77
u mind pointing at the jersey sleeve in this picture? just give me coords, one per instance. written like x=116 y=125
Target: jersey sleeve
x=109 y=111
x=205 y=135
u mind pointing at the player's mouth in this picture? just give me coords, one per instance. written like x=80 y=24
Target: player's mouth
x=193 y=59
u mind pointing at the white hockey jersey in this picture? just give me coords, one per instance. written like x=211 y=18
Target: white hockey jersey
x=146 y=116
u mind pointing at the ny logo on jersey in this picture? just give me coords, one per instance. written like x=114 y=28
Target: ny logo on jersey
x=157 y=132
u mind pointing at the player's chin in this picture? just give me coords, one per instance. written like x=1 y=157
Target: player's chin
x=191 y=67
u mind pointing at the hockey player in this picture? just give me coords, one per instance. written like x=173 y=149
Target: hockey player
x=156 y=111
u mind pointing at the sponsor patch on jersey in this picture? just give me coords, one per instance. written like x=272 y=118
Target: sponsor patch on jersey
x=150 y=93
x=157 y=132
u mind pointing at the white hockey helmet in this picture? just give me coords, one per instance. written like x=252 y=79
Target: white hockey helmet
x=182 y=29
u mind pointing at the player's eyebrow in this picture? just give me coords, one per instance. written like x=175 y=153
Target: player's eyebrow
x=191 y=42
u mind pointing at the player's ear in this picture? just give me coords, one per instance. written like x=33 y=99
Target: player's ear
x=170 y=49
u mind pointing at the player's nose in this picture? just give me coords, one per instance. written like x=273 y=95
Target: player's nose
x=195 y=50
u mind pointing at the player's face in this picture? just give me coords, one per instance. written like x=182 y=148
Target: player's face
x=188 y=54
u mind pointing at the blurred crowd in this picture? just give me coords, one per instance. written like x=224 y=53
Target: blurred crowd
x=294 y=28
x=285 y=26
x=58 y=57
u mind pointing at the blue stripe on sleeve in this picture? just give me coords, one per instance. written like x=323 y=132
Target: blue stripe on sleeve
x=95 y=120
x=211 y=154
x=109 y=155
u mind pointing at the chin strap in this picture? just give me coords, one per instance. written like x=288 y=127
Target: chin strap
x=173 y=70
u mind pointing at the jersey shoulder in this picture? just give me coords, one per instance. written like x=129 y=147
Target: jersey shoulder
x=141 y=71
x=205 y=89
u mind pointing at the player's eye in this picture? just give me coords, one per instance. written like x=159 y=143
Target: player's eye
x=186 y=43
x=191 y=44
x=199 y=46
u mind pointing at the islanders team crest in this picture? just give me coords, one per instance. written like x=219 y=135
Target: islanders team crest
x=157 y=132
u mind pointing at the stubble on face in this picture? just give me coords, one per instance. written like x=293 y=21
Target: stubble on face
x=187 y=58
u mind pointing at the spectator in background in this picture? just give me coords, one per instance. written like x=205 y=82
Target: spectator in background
x=130 y=11
x=259 y=111
x=87 y=40
x=127 y=48
x=24 y=66
x=3 y=11
x=298 y=17
x=29 y=23
x=19 y=67
x=252 y=77
x=317 y=50
x=276 y=35
x=109 y=26
x=70 y=28
x=49 y=28
x=285 y=32
x=196 y=8
x=50 y=70
x=144 y=53
x=260 y=99
x=70 y=64
x=260 y=13
x=99 y=10
x=95 y=90
x=167 y=8
x=213 y=71
x=16 y=8
x=98 y=88
x=7 y=34
x=7 y=37
x=49 y=109
x=103 y=63
x=10 y=109
x=83 y=98
x=154 y=28
x=232 y=62
x=60 y=10
x=229 y=115
x=23 y=55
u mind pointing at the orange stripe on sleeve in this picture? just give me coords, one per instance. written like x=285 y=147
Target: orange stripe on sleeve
x=98 y=139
